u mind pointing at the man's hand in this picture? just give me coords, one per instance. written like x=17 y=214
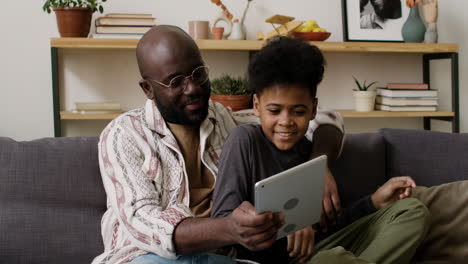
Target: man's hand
x=393 y=190
x=331 y=207
x=251 y=230
x=301 y=244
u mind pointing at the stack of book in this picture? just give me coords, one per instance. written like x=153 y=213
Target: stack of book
x=406 y=97
x=97 y=108
x=123 y=25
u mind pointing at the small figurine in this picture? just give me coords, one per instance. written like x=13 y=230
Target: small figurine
x=429 y=13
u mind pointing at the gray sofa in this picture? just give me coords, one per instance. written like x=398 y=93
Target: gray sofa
x=52 y=199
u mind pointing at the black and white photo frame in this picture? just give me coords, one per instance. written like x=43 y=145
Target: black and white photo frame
x=374 y=20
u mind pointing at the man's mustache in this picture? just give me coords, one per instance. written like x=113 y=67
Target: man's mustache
x=196 y=100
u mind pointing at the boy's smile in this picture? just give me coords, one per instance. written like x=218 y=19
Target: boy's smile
x=285 y=112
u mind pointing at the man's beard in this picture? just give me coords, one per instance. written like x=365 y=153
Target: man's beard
x=172 y=114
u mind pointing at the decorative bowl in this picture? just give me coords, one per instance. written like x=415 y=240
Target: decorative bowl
x=312 y=36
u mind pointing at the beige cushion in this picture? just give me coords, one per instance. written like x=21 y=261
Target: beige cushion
x=447 y=239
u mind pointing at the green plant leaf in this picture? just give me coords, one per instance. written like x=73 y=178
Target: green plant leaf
x=227 y=85
x=358 y=84
x=370 y=85
x=363 y=86
x=95 y=5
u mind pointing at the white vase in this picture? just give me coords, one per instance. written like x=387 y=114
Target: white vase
x=364 y=101
x=237 y=33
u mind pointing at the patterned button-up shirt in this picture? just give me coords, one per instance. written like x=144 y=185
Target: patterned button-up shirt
x=146 y=182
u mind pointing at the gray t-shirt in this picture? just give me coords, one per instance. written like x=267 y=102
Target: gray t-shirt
x=247 y=157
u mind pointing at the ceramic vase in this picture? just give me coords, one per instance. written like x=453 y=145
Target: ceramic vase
x=237 y=32
x=414 y=29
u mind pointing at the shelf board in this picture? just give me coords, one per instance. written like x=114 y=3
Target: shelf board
x=64 y=115
x=252 y=45
x=354 y=114
x=67 y=115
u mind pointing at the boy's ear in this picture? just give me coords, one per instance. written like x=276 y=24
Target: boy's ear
x=314 y=108
x=256 y=105
x=146 y=87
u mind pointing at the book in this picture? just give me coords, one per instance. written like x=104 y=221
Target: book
x=124 y=21
x=405 y=108
x=88 y=106
x=123 y=29
x=406 y=93
x=408 y=86
x=128 y=15
x=415 y=101
x=115 y=36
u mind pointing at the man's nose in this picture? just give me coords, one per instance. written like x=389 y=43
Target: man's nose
x=191 y=87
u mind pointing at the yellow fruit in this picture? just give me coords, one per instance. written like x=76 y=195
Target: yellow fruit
x=311 y=24
x=299 y=29
x=319 y=30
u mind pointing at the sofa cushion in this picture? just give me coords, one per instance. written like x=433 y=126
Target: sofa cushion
x=446 y=239
x=51 y=201
x=429 y=157
x=361 y=167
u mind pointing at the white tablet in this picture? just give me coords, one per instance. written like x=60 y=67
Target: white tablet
x=297 y=192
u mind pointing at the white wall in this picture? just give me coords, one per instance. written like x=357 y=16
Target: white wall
x=25 y=84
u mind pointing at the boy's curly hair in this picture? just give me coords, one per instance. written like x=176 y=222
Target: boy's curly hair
x=286 y=60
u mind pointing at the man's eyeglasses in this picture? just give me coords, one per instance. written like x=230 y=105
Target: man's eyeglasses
x=179 y=83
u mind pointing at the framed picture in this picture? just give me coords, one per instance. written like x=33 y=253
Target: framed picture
x=373 y=20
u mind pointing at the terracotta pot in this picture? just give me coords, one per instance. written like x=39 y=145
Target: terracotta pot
x=73 y=21
x=235 y=102
x=217 y=32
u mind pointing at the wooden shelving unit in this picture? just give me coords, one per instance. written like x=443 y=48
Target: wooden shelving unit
x=65 y=115
x=429 y=51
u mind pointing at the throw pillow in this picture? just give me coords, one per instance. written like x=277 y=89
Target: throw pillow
x=446 y=241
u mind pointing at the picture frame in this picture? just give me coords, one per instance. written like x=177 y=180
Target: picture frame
x=373 y=20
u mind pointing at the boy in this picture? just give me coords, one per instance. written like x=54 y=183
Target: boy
x=285 y=74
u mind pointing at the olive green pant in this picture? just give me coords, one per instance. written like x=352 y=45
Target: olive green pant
x=390 y=235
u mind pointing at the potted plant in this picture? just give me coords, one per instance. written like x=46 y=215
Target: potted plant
x=364 y=98
x=73 y=16
x=231 y=92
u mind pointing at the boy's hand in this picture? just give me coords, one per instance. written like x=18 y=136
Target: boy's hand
x=393 y=190
x=251 y=230
x=301 y=244
x=331 y=206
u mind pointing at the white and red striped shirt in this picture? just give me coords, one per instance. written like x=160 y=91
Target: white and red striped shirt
x=144 y=175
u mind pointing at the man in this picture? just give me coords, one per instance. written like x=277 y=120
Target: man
x=159 y=164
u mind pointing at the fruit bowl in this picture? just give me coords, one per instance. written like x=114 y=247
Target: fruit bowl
x=312 y=36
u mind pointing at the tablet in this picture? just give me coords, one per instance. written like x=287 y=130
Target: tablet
x=297 y=192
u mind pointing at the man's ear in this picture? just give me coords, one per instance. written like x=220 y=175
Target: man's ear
x=256 y=105
x=314 y=108
x=147 y=89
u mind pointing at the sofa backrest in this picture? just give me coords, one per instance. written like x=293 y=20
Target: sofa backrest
x=361 y=167
x=51 y=201
x=429 y=157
